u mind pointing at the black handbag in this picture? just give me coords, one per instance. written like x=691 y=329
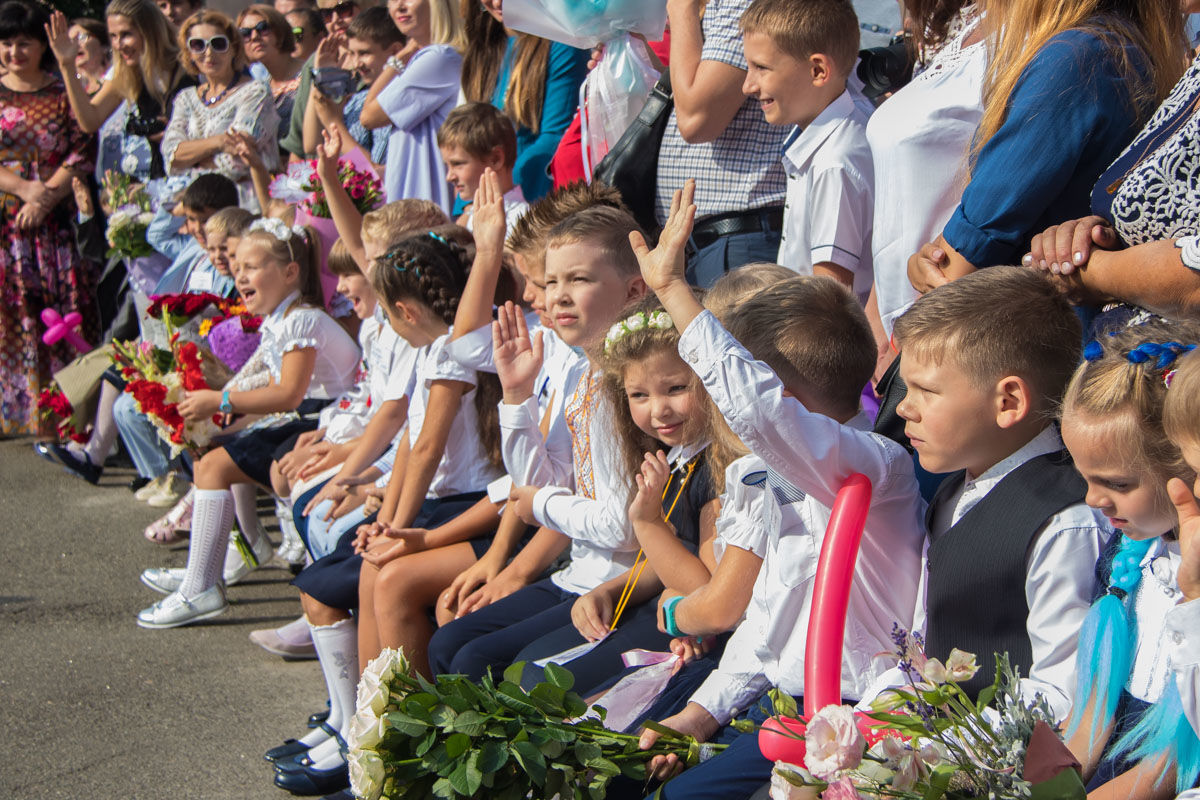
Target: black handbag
x=631 y=166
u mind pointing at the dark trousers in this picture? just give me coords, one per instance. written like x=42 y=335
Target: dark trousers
x=492 y=636
x=638 y=629
x=730 y=252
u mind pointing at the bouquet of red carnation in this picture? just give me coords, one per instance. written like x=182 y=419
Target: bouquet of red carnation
x=52 y=403
x=183 y=307
x=301 y=185
x=158 y=378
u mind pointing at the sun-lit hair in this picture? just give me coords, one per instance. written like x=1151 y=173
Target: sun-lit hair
x=446 y=25
x=1139 y=34
x=801 y=28
x=285 y=40
x=229 y=221
x=1181 y=411
x=479 y=128
x=301 y=247
x=607 y=229
x=526 y=90
x=997 y=322
x=528 y=235
x=341 y=262
x=736 y=285
x=216 y=19
x=160 y=54
x=391 y=222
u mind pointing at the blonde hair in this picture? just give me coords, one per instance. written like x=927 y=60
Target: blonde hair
x=528 y=235
x=281 y=210
x=1019 y=29
x=160 y=55
x=398 y=219
x=1181 y=411
x=445 y=25
x=206 y=16
x=229 y=221
x=303 y=249
x=736 y=285
x=1123 y=378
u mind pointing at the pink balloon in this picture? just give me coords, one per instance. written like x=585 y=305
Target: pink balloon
x=831 y=595
x=777 y=743
x=60 y=327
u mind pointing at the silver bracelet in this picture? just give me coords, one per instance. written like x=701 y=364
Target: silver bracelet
x=395 y=64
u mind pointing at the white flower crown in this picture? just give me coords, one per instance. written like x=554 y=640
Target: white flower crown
x=659 y=320
x=277 y=228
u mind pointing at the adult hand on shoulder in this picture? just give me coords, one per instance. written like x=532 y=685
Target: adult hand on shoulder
x=647 y=502
x=693 y=720
x=592 y=614
x=926 y=268
x=1188 y=576
x=666 y=263
x=518 y=358
x=1061 y=249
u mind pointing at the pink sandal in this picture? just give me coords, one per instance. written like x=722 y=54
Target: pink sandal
x=167 y=530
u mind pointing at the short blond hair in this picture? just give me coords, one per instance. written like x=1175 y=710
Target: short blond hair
x=229 y=221
x=801 y=28
x=602 y=227
x=396 y=220
x=738 y=284
x=528 y=235
x=1181 y=411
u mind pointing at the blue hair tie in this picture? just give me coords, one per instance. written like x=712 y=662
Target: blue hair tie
x=1164 y=354
x=438 y=236
x=1094 y=351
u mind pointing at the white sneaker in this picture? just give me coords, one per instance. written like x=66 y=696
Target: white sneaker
x=175 y=610
x=291 y=549
x=170 y=490
x=236 y=568
x=150 y=489
x=163 y=579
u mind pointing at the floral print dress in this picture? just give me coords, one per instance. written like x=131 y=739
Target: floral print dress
x=39 y=268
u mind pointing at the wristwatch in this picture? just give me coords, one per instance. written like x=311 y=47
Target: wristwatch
x=226 y=404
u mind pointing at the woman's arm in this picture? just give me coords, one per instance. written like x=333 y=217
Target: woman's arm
x=373 y=116
x=1151 y=275
x=90 y=112
x=429 y=82
x=428 y=450
x=178 y=150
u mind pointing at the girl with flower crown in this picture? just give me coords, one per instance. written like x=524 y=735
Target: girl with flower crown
x=310 y=360
x=1130 y=727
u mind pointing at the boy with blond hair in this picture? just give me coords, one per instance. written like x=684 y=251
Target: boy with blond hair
x=800 y=54
x=476 y=138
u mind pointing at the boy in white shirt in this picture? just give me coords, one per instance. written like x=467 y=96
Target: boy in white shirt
x=799 y=55
x=799 y=413
x=475 y=138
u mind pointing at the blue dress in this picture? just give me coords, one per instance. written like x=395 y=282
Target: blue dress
x=1070 y=114
x=565 y=71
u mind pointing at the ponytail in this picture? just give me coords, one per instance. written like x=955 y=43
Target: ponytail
x=293 y=244
x=1165 y=730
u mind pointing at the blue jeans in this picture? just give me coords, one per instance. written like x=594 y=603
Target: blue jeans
x=150 y=456
x=729 y=253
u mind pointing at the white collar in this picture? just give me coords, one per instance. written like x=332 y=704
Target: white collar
x=1045 y=442
x=514 y=195
x=275 y=318
x=682 y=453
x=803 y=143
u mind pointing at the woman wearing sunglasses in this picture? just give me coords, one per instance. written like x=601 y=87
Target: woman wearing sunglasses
x=210 y=118
x=136 y=100
x=94 y=56
x=308 y=28
x=269 y=43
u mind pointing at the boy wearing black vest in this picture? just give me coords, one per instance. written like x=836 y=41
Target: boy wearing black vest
x=1012 y=546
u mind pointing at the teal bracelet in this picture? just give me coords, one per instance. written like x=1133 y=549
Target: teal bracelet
x=669 y=616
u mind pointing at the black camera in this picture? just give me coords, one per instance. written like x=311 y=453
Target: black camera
x=335 y=83
x=137 y=125
x=885 y=69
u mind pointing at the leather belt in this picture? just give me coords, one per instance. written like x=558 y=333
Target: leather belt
x=710 y=229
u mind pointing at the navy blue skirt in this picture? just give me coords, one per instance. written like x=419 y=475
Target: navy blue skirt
x=333 y=580
x=254 y=450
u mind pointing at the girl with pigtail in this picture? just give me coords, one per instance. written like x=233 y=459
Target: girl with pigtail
x=1129 y=726
x=429 y=512
x=310 y=360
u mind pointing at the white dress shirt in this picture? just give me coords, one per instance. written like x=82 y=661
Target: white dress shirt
x=740 y=522
x=830 y=193
x=919 y=140
x=295 y=326
x=515 y=207
x=808 y=457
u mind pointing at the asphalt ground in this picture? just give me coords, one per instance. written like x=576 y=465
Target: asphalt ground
x=93 y=707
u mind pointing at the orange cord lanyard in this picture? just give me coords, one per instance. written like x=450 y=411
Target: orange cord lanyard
x=640 y=562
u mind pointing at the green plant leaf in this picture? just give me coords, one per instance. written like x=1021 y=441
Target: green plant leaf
x=470 y=722
x=444 y=716
x=443 y=788
x=406 y=724
x=586 y=751
x=986 y=697
x=466 y=778
x=426 y=743
x=457 y=744
x=604 y=767
x=530 y=759
x=560 y=677
x=939 y=781
x=549 y=698
x=574 y=705
x=514 y=697
x=514 y=672
x=492 y=756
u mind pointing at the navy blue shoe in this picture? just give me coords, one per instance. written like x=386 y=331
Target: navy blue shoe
x=315 y=720
x=311 y=782
x=293 y=763
x=344 y=794
x=79 y=467
x=291 y=747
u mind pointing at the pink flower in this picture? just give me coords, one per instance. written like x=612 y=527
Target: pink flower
x=841 y=789
x=833 y=742
x=10 y=118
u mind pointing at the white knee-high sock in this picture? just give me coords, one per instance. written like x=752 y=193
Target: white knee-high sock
x=104 y=426
x=245 y=503
x=337 y=650
x=212 y=518
x=287 y=523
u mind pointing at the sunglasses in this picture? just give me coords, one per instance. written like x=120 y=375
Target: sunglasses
x=346 y=8
x=261 y=28
x=218 y=44
x=298 y=32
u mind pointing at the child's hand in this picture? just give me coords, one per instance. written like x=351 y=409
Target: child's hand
x=591 y=614
x=693 y=720
x=651 y=481
x=478 y=574
x=201 y=404
x=1188 y=576
x=83 y=199
x=927 y=268
x=518 y=358
x=489 y=221
x=522 y=499
x=332 y=491
x=404 y=541
x=244 y=146
x=691 y=648
x=366 y=534
x=374 y=500
x=665 y=264
x=328 y=152
x=498 y=588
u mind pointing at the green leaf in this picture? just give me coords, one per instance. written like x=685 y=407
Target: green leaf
x=560 y=677
x=634 y=770
x=783 y=703
x=574 y=705
x=586 y=751
x=550 y=698
x=514 y=697
x=443 y=788
x=470 y=722
x=530 y=759
x=986 y=697
x=466 y=778
x=492 y=756
x=939 y=781
x=425 y=744
x=457 y=744
x=444 y=716
x=406 y=724
x=514 y=672
x=604 y=767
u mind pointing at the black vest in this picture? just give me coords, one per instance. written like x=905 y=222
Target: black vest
x=977 y=569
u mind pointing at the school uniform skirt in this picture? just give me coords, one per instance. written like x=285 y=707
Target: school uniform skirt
x=333 y=580
x=254 y=449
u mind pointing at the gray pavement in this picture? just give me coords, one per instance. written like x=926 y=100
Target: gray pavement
x=93 y=707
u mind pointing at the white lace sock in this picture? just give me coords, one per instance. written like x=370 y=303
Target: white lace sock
x=104 y=426
x=337 y=650
x=287 y=523
x=245 y=502
x=212 y=517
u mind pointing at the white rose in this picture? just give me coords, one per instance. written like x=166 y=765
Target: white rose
x=366 y=730
x=129 y=164
x=833 y=742
x=372 y=694
x=636 y=322
x=366 y=774
x=783 y=789
x=382 y=667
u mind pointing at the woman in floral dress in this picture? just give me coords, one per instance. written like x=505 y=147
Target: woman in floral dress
x=41 y=150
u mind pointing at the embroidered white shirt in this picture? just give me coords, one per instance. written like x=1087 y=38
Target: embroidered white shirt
x=830 y=193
